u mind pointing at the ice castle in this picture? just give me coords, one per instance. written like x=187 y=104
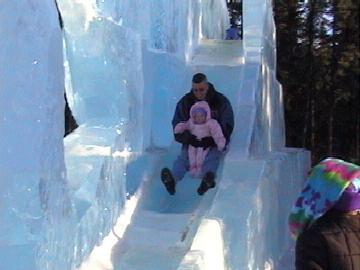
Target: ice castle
x=94 y=201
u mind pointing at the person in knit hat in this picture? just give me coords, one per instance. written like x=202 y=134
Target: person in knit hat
x=325 y=220
x=201 y=125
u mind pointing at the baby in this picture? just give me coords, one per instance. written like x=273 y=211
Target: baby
x=201 y=125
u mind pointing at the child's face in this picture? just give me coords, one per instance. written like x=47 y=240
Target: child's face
x=199 y=118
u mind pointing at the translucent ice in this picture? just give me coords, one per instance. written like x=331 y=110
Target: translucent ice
x=126 y=65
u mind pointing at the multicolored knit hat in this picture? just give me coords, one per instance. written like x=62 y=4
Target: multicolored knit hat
x=326 y=184
x=350 y=198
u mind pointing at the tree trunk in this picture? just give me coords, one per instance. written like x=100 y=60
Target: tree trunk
x=333 y=85
x=309 y=85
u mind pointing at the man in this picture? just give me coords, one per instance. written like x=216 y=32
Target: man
x=221 y=111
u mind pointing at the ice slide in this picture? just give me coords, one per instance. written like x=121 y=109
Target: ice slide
x=228 y=226
x=161 y=234
x=162 y=228
x=238 y=225
x=124 y=72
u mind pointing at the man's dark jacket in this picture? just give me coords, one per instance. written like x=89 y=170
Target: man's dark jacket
x=220 y=107
x=332 y=243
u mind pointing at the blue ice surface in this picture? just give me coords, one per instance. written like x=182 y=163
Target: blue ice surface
x=126 y=72
x=25 y=255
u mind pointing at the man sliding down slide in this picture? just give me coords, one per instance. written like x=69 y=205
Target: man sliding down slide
x=221 y=111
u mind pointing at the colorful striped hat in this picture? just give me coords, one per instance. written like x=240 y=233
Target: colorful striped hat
x=326 y=184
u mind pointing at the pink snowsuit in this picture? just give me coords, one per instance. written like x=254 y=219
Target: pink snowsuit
x=210 y=128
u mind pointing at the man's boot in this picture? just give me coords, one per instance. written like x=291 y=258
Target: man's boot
x=207 y=182
x=168 y=180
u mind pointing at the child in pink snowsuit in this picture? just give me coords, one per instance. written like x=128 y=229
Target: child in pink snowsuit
x=201 y=125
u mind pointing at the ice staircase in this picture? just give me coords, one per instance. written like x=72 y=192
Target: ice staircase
x=215 y=52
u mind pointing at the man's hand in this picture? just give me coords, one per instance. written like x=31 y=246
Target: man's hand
x=207 y=142
x=194 y=141
x=187 y=138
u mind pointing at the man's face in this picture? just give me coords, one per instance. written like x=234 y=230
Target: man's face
x=200 y=90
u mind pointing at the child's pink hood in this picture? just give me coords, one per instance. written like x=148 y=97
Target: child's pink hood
x=204 y=105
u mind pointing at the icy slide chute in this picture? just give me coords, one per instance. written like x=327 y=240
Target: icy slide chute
x=124 y=72
x=117 y=49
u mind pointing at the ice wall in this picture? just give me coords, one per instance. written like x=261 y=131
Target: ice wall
x=104 y=87
x=269 y=130
x=122 y=57
x=34 y=196
x=164 y=55
x=104 y=39
x=256 y=193
x=125 y=72
x=214 y=19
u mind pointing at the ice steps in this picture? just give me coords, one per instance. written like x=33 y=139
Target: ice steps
x=216 y=52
